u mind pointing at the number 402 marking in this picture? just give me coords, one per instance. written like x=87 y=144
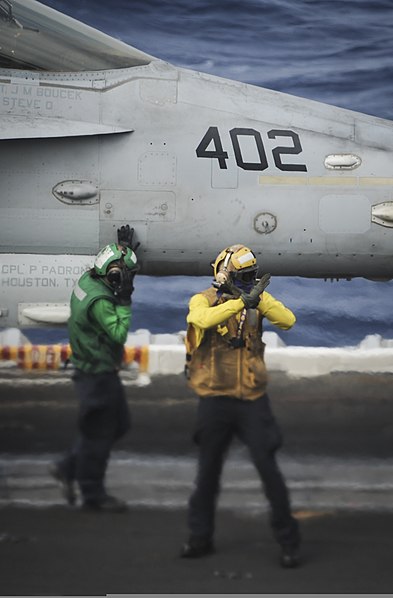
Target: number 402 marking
x=212 y=135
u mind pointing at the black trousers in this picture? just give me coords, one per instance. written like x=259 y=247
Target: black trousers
x=103 y=418
x=219 y=420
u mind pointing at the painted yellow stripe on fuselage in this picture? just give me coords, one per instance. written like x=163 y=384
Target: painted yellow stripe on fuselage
x=326 y=181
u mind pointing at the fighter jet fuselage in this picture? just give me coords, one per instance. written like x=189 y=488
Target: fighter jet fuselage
x=192 y=161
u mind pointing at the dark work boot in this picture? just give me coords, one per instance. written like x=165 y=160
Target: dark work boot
x=196 y=547
x=106 y=504
x=66 y=484
x=290 y=556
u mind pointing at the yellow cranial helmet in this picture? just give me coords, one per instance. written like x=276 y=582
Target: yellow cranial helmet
x=237 y=261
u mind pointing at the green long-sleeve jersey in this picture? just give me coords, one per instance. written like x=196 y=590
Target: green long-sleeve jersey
x=98 y=326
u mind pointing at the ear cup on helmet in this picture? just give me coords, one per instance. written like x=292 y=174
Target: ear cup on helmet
x=114 y=276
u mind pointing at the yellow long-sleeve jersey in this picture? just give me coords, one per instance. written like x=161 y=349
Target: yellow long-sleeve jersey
x=203 y=316
x=225 y=352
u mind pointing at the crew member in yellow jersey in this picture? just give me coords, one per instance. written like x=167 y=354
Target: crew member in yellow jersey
x=225 y=367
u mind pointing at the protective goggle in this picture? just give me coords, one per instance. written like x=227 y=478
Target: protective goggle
x=246 y=275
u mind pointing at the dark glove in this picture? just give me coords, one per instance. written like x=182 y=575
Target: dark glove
x=230 y=290
x=124 y=237
x=251 y=300
x=125 y=288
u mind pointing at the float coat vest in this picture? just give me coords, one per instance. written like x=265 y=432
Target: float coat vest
x=216 y=368
x=92 y=349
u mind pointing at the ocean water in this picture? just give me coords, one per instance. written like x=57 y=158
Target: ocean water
x=334 y=51
x=329 y=314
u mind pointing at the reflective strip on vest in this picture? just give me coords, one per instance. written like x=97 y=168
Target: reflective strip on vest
x=79 y=292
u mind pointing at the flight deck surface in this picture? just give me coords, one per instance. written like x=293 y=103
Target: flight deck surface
x=337 y=459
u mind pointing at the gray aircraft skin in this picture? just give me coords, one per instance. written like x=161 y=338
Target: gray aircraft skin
x=95 y=134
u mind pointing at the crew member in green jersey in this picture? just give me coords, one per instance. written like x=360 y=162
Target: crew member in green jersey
x=98 y=327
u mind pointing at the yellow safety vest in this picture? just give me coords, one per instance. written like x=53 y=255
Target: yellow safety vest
x=216 y=367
